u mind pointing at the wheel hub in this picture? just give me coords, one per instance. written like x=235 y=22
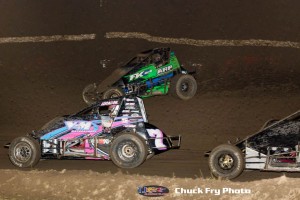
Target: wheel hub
x=184 y=87
x=23 y=152
x=128 y=151
x=226 y=161
x=114 y=95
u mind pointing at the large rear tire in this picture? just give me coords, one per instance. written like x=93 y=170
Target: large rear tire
x=24 y=152
x=113 y=92
x=183 y=86
x=128 y=151
x=90 y=94
x=226 y=161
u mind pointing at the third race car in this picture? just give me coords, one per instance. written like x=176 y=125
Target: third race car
x=275 y=147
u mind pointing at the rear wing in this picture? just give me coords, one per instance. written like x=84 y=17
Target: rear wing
x=293 y=116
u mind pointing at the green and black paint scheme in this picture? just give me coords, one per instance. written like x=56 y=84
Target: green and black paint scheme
x=275 y=147
x=148 y=74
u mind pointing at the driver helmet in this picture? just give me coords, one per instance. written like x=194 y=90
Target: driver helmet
x=156 y=58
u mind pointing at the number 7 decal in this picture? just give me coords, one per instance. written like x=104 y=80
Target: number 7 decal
x=158 y=135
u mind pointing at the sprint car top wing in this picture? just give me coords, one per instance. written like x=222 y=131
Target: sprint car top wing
x=113 y=77
x=121 y=71
x=285 y=132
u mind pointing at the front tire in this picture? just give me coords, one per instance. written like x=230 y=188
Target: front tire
x=113 y=92
x=128 y=151
x=226 y=161
x=24 y=152
x=183 y=86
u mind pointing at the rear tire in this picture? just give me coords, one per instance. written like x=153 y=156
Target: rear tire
x=183 y=86
x=24 y=152
x=128 y=151
x=113 y=92
x=226 y=161
x=90 y=94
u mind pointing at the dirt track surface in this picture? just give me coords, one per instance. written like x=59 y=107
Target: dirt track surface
x=239 y=87
x=74 y=184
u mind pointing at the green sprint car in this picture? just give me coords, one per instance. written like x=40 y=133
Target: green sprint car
x=153 y=72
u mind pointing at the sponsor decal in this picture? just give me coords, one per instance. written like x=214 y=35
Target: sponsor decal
x=129 y=104
x=125 y=119
x=153 y=191
x=78 y=125
x=108 y=103
x=133 y=120
x=158 y=135
x=130 y=126
x=130 y=100
x=139 y=74
x=125 y=111
x=103 y=141
x=164 y=69
x=135 y=115
x=213 y=191
x=130 y=107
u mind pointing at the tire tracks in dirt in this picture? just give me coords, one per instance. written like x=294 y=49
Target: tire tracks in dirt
x=203 y=43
